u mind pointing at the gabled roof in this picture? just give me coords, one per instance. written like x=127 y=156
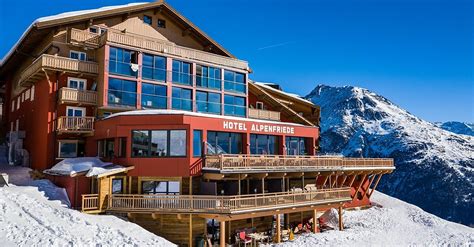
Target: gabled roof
x=43 y=25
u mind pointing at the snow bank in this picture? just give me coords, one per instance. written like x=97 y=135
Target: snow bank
x=29 y=219
x=396 y=223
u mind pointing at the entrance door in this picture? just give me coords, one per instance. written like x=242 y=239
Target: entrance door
x=76 y=83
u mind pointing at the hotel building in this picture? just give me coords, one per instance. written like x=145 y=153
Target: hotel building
x=191 y=137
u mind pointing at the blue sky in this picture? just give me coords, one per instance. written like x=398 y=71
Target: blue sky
x=417 y=53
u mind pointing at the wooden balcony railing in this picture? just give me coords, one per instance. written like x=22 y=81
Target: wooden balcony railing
x=86 y=38
x=73 y=95
x=56 y=63
x=226 y=204
x=264 y=114
x=279 y=162
x=157 y=45
x=90 y=202
x=75 y=124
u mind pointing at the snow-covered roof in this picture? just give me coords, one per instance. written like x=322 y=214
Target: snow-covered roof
x=197 y=114
x=60 y=16
x=266 y=85
x=92 y=165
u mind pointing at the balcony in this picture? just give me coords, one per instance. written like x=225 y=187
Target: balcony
x=75 y=96
x=264 y=114
x=229 y=163
x=55 y=63
x=164 y=46
x=75 y=125
x=226 y=204
x=85 y=38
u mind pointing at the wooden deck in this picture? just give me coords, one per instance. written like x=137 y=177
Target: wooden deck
x=201 y=204
x=56 y=63
x=229 y=163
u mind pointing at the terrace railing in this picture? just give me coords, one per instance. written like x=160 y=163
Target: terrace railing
x=73 y=95
x=280 y=162
x=75 y=124
x=226 y=204
x=264 y=114
x=90 y=202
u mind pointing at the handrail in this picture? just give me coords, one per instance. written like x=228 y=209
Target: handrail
x=75 y=124
x=264 y=114
x=78 y=96
x=226 y=204
x=250 y=161
x=90 y=202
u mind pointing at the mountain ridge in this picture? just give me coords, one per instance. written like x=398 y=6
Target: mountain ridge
x=435 y=167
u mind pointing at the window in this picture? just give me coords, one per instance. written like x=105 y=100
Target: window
x=208 y=77
x=75 y=111
x=181 y=99
x=181 y=72
x=106 y=148
x=97 y=30
x=78 y=55
x=18 y=103
x=123 y=62
x=224 y=142
x=147 y=19
x=161 y=187
x=234 y=106
x=154 y=96
x=161 y=23
x=154 y=67
x=259 y=105
x=122 y=152
x=234 y=81
x=117 y=185
x=296 y=146
x=13 y=106
x=32 y=93
x=208 y=102
x=122 y=92
x=159 y=143
x=77 y=83
x=197 y=143
x=263 y=144
x=27 y=94
x=71 y=149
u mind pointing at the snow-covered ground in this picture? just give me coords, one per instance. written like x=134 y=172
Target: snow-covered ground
x=30 y=216
x=395 y=223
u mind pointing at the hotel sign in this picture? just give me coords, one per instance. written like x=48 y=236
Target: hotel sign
x=262 y=128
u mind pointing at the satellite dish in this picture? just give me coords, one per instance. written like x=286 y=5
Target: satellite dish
x=134 y=67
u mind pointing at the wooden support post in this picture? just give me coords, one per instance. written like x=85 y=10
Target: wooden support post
x=239 y=186
x=248 y=186
x=324 y=183
x=263 y=185
x=130 y=185
x=190 y=230
x=221 y=234
x=360 y=184
x=353 y=179
x=343 y=180
x=278 y=229
x=375 y=186
x=315 y=220
x=370 y=184
x=341 y=226
x=302 y=182
x=334 y=183
x=190 y=185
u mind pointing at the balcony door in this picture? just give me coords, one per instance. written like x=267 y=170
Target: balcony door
x=76 y=83
x=75 y=111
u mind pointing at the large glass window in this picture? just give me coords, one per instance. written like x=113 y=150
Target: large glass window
x=160 y=187
x=182 y=99
x=263 y=144
x=159 y=143
x=224 y=142
x=234 y=81
x=209 y=77
x=296 y=146
x=234 y=106
x=208 y=102
x=121 y=60
x=122 y=92
x=140 y=143
x=182 y=72
x=154 y=96
x=197 y=143
x=154 y=67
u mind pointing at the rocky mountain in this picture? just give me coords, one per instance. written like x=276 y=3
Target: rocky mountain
x=458 y=127
x=435 y=167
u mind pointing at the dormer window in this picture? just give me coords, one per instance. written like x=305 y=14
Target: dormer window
x=147 y=19
x=161 y=23
x=97 y=30
x=78 y=55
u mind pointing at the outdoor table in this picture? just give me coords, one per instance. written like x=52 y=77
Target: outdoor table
x=259 y=236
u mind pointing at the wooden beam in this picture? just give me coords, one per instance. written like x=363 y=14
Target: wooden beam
x=190 y=230
x=221 y=234
x=278 y=229
x=352 y=180
x=344 y=180
x=370 y=184
x=315 y=220
x=213 y=176
x=335 y=180
x=360 y=184
x=341 y=226
x=325 y=180
x=375 y=186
